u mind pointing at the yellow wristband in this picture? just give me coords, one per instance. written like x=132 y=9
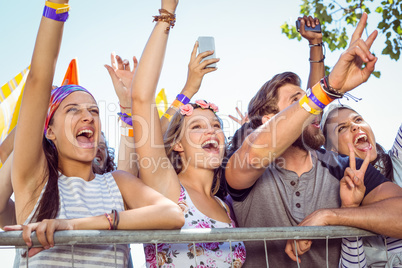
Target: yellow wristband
x=304 y=104
x=60 y=8
x=168 y=116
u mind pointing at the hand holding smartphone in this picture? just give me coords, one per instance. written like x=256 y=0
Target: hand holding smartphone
x=316 y=29
x=207 y=43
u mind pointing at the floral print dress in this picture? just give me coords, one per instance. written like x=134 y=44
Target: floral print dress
x=208 y=255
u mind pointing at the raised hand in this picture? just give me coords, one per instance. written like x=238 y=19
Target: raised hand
x=197 y=70
x=352 y=187
x=121 y=74
x=348 y=72
x=243 y=118
x=312 y=37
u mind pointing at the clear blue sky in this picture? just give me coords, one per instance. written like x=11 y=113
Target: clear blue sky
x=248 y=42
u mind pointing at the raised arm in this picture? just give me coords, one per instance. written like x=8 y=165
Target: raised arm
x=196 y=72
x=160 y=175
x=279 y=131
x=317 y=67
x=29 y=160
x=122 y=77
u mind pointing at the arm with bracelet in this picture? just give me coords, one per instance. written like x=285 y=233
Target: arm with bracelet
x=122 y=75
x=317 y=48
x=196 y=72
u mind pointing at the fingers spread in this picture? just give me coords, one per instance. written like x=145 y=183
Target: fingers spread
x=366 y=162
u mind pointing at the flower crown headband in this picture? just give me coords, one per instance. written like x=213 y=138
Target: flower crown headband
x=188 y=108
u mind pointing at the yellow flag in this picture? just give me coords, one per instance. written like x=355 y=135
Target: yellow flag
x=161 y=102
x=10 y=98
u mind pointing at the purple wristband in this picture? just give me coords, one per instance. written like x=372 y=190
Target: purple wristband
x=126 y=118
x=314 y=99
x=50 y=13
x=183 y=99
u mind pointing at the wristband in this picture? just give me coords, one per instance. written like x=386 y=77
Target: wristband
x=50 y=13
x=126 y=118
x=177 y=104
x=109 y=220
x=319 y=93
x=326 y=87
x=304 y=104
x=116 y=219
x=126 y=131
x=60 y=8
x=183 y=99
x=314 y=99
x=167 y=116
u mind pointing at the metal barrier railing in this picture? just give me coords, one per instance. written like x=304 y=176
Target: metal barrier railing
x=85 y=237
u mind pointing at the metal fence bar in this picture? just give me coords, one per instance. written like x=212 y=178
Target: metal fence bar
x=85 y=237
x=326 y=251
x=231 y=253
x=358 y=251
x=266 y=252
x=115 y=255
x=72 y=255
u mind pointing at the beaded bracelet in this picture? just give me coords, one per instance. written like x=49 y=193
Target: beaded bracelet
x=330 y=91
x=169 y=18
x=304 y=104
x=109 y=220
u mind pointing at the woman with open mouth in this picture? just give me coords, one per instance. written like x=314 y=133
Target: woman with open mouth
x=184 y=164
x=55 y=188
x=345 y=130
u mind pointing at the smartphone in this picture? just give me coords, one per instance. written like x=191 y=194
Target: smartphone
x=206 y=43
x=316 y=29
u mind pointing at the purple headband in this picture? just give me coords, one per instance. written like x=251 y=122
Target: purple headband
x=57 y=96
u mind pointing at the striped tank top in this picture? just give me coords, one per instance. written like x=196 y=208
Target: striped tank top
x=79 y=199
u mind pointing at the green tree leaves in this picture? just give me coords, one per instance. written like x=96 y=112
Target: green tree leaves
x=336 y=16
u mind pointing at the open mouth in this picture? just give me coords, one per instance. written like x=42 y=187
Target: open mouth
x=316 y=122
x=211 y=146
x=85 y=138
x=98 y=160
x=361 y=142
